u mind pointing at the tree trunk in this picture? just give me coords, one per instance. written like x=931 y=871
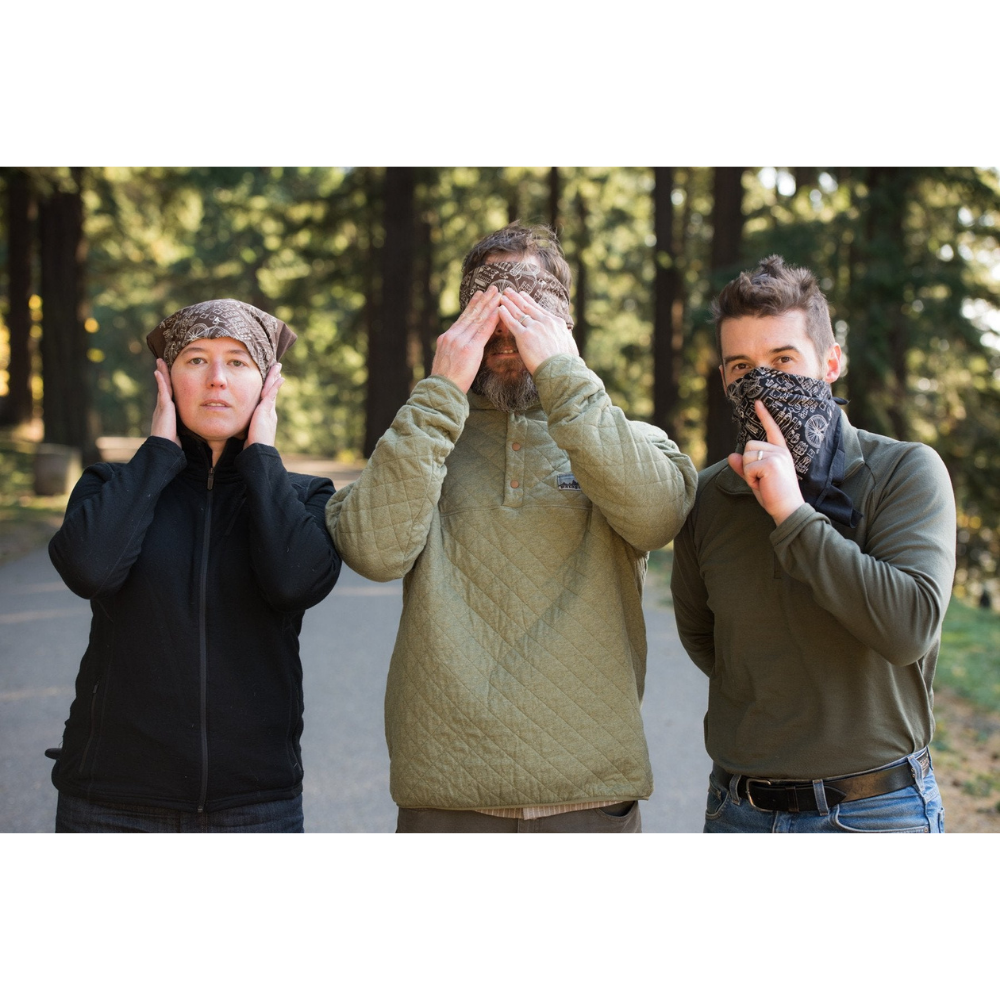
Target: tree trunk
x=513 y=201
x=580 y=328
x=428 y=319
x=805 y=177
x=878 y=339
x=666 y=349
x=727 y=236
x=65 y=367
x=18 y=405
x=388 y=366
x=370 y=279
x=554 y=194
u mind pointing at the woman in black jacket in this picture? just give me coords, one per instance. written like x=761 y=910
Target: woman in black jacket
x=199 y=557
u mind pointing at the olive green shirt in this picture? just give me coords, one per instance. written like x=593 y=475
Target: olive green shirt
x=819 y=640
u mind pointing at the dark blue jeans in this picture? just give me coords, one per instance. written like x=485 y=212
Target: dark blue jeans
x=75 y=815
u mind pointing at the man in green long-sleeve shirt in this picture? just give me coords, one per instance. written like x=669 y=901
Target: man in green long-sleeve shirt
x=519 y=505
x=810 y=582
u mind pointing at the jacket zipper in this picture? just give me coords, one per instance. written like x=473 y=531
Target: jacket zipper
x=203 y=644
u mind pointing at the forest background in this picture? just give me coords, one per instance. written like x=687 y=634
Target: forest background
x=364 y=264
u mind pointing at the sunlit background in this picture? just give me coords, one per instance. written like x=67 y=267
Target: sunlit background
x=368 y=259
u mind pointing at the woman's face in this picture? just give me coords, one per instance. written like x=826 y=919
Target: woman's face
x=216 y=388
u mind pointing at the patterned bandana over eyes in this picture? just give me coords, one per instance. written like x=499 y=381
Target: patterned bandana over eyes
x=544 y=288
x=806 y=412
x=265 y=336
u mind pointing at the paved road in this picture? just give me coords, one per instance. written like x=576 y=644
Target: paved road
x=346 y=643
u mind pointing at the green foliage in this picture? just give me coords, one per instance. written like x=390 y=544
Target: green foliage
x=908 y=258
x=968 y=661
x=162 y=239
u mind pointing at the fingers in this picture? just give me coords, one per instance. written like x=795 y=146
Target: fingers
x=741 y=465
x=480 y=306
x=164 y=390
x=264 y=422
x=755 y=453
x=515 y=323
x=769 y=470
x=478 y=321
x=517 y=310
x=460 y=348
x=164 y=423
x=527 y=304
x=771 y=428
x=272 y=383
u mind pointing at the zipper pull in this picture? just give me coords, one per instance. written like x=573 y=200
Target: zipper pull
x=211 y=476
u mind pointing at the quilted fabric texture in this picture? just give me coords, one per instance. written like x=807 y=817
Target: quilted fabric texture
x=519 y=664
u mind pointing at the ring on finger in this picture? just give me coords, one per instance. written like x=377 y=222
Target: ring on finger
x=525 y=319
x=760 y=455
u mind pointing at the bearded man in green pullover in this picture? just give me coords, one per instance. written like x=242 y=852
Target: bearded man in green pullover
x=519 y=505
x=810 y=583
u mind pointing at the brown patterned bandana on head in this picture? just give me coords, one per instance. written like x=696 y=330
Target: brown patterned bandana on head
x=543 y=286
x=265 y=336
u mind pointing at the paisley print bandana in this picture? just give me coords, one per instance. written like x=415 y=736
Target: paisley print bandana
x=544 y=287
x=265 y=336
x=806 y=412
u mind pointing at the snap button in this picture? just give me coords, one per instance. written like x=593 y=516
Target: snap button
x=516 y=446
x=514 y=484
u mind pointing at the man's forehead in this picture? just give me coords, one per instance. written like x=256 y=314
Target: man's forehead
x=509 y=257
x=764 y=331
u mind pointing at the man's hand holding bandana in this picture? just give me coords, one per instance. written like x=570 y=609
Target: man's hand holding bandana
x=769 y=470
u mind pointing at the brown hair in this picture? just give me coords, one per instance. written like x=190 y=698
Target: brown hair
x=537 y=240
x=772 y=289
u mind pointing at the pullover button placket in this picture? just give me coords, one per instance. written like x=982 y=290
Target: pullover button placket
x=514 y=452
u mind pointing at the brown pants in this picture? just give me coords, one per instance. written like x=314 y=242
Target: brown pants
x=465 y=821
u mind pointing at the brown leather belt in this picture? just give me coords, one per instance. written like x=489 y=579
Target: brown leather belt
x=777 y=795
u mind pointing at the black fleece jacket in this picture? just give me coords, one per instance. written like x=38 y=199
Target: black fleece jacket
x=190 y=693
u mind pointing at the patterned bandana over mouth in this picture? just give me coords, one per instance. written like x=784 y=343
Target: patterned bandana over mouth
x=544 y=288
x=806 y=412
x=265 y=336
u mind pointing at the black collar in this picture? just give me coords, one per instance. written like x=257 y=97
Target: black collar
x=199 y=456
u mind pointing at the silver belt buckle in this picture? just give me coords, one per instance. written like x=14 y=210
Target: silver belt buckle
x=758 y=781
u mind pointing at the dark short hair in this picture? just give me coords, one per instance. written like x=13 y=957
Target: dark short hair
x=524 y=241
x=772 y=289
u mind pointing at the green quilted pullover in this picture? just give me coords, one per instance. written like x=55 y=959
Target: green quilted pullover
x=519 y=664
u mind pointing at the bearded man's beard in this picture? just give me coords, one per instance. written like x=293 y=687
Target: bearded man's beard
x=506 y=393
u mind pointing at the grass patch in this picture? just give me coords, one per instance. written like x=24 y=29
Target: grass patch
x=942 y=738
x=980 y=786
x=26 y=521
x=970 y=653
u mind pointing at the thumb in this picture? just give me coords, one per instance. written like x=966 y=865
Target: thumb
x=736 y=464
